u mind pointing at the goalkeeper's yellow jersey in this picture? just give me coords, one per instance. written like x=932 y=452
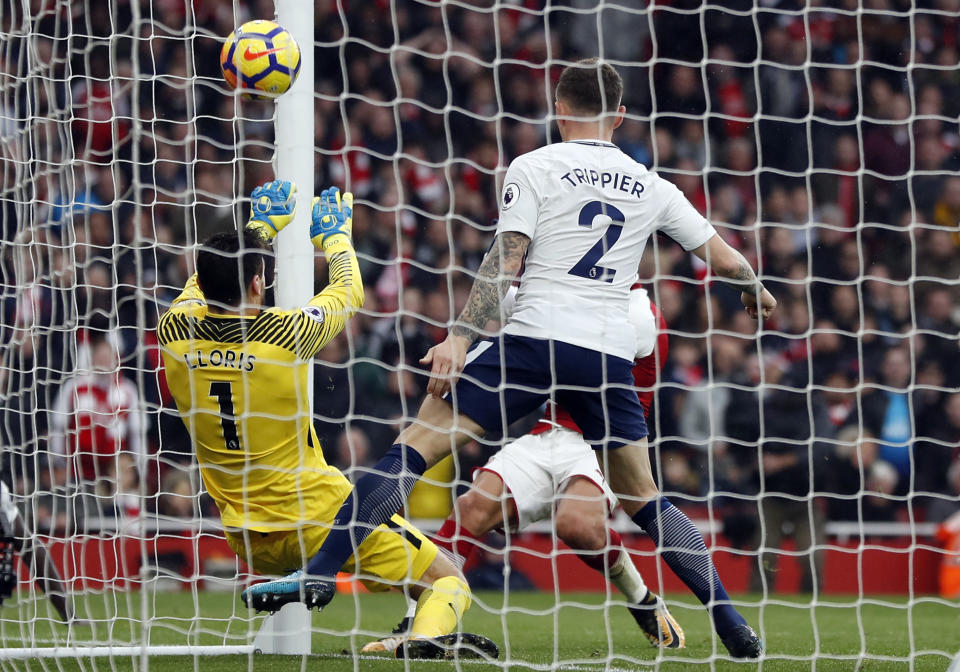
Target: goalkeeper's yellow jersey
x=241 y=386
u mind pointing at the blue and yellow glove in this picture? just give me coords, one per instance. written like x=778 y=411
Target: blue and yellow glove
x=332 y=228
x=272 y=207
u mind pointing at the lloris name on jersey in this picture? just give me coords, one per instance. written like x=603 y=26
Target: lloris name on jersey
x=228 y=359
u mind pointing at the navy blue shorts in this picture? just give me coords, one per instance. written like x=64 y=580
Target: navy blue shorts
x=510 y=377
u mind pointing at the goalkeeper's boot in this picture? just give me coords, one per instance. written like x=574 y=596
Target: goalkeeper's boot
x=449 y=647
x=743 y=642
x=657 y=623
x=271 y=595
x=390 y=644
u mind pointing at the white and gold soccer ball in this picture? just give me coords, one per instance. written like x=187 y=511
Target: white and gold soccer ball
x=260 y=59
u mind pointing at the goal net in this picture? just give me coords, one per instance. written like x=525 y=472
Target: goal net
x=816 y=452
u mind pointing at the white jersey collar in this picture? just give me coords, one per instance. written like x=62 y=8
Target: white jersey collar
x=591 y=143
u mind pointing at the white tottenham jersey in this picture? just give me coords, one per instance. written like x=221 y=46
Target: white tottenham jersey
x=588 y=210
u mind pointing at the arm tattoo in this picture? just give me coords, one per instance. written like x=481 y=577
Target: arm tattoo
x=744 y=279
x=494 y=276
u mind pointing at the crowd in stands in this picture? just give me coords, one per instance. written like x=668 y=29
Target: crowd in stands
x=827 y=151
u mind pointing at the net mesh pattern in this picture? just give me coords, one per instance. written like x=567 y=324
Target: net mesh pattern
x=822 y=141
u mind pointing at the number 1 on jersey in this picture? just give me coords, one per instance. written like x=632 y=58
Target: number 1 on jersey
x=587 y=266
x=223 y=391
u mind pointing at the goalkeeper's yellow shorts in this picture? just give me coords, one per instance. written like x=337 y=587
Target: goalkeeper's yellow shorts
x=390 y=556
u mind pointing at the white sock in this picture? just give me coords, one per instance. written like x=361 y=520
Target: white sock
x=411 y=607
x=625 y=576
x=455 y=558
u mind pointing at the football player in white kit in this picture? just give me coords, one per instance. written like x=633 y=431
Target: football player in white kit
x=577 y=215
x=553 y=472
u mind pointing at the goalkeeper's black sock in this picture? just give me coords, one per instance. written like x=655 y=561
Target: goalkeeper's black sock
x=375 y=498
x=683 y=549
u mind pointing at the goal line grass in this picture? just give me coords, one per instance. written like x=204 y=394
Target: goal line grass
x=537 y=631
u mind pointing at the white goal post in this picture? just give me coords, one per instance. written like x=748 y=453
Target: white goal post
x=288 y=631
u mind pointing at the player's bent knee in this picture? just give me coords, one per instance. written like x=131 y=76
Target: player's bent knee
x=483 y=507
x=582 y=531
x=479 y=512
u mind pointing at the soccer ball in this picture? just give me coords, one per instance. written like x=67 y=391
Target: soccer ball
x=260 y=59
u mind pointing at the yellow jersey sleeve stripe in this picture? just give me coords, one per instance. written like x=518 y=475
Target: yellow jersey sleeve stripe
x=292 y=330
x=269 y=329
x=292 y=335
x=339 y=300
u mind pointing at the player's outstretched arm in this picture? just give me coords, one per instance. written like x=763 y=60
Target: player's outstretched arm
x=736 y=271
x=273 y=205
x=498 y=270
x=331 y=231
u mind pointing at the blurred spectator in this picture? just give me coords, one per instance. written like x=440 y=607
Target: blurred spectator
x=739 y=459
x=351 y=453
x=841 y=401
x=100 y=110
x=96 y=440
x=886 y=147
x=946 y=212
x=702 y=418
x=857 y=477
x=332 y=391
x=936 y=317
x=943 y=508
x=178 y=498
x=854 y=457
x=887 y=412
x=95 y=418
x=882 y=483
x=118 y=494
x=939 y=448
x=388 y=414
x=406 y=338
x=792 y=465
x=830 y=351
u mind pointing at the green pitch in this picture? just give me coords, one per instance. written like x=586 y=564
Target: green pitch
x=539 y=632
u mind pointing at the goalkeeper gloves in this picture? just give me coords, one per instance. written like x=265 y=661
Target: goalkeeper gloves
x=332 y=220
x=272 y=207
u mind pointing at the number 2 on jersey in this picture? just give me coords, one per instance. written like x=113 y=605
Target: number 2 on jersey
x=223 y=391
x=588 y=267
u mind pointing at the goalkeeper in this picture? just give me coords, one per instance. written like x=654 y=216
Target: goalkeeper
x=239 y=373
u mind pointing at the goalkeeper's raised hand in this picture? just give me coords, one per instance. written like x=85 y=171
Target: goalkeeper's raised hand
x=332 y=219
x=272 y=206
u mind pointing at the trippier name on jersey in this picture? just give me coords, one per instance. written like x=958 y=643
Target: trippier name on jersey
x=620 y=181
